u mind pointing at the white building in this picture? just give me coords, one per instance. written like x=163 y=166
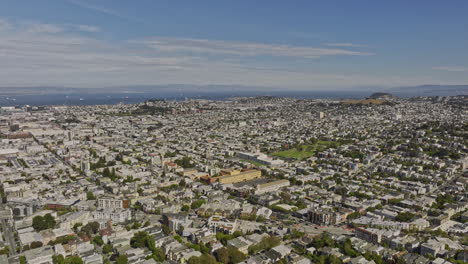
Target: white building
x=112 y=203
x=219 y=224
x=271 y=186
x=116 y=215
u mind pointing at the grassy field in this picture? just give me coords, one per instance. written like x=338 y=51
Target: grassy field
x=306 y=151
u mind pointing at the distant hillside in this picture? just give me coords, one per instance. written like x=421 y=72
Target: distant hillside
x=382 y=96
x=430 y=90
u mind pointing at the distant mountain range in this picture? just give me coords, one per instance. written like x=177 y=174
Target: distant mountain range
x=423 y=90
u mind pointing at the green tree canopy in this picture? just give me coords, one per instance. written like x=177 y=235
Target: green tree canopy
x=73 y=260
x=106 y=249
x=43 y=222
x=203 y=259
x=122 y=259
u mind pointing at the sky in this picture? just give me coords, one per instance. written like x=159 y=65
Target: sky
x=297 y=45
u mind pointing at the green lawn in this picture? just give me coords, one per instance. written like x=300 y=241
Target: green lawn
x=306 y=151
x=294 y=153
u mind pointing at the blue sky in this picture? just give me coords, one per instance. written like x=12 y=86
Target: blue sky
x=290 y=44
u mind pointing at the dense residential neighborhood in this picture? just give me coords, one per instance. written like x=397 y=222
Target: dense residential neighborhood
x=244 y=180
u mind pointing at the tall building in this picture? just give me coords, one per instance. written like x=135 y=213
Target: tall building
x=323 y=216
x=85 y=166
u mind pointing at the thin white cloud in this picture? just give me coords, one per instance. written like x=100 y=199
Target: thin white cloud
x=88 y=28
x=244 y=48
x=103 y=10
x=43 y=28
x=451 y=68
x=83 y=4
x=29 y=27
x=349 y=45
x=38 y=49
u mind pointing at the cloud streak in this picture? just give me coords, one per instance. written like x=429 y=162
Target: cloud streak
x=451 y=68
x=243 y=48
x=349 y=45
x=82 y=4
x=43 y=28
x=88 y=28
x=103 y=10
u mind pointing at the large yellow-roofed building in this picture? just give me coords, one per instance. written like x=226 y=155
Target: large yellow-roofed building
x=239 y=176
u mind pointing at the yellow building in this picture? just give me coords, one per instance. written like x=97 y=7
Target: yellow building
x=240 y=176
x=188 y=172
x=271 y=186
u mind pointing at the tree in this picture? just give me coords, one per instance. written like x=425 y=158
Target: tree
x=43 y=222
x=266 y=243
x=4 y=251
x=182 y=183
x=62 y=240
x=322 y=241
x=166 y=230
x=73 y=260
x=353 y=215
x=50 y=221
x=185 y=208
x=38 y=223
x=158 y=255
x=22 y=260
x=394 y=201
x=229 y=255
x=90 y=196
x=235 y=256
x=91 y=228
x=178 y=238
x=197 y=204
x=139 y=240
x=205 y=249
x=348 y=249
x=203 y=259
x=36 y=244
x=106 y=249
x=223 y=238
x=222 y=255
x=106 y=172
x=333 y=260
x=375 y=257
x=122 y=259
x=295 y=234
x=404 y=217
x=185 y=162
x=98 y=240
x=143 y=239
x=75 y=226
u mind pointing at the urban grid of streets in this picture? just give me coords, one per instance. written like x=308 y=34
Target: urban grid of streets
x=244 y=180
